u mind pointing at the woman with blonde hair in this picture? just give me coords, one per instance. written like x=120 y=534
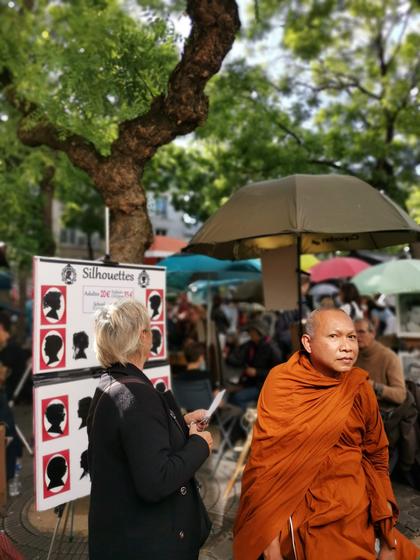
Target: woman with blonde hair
x=143 y=454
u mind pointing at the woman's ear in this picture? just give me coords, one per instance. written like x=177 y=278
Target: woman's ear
x=306 y=342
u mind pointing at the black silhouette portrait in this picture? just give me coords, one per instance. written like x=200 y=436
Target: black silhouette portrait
x=55 y=414
x=80 y=343
x=84 y=463
x=155 y=305
x=52 y=300
x=160 y=386
x=83 y=409
x=156 y=341
x=53 y=343
x=56 y=470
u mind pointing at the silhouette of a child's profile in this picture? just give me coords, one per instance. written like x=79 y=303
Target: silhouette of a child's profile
x=56 y=469
x=155 y=302
x=55 y=414
x=84 y=463
x=52 y=346
x=156 y=341
x=83 y=409
x=52 y=299
x=80 y=343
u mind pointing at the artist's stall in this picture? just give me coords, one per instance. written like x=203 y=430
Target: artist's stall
x=65 y=370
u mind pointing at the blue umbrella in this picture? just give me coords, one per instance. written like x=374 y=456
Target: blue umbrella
x=183 y=269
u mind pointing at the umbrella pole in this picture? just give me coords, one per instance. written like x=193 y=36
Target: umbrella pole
x=298 y=275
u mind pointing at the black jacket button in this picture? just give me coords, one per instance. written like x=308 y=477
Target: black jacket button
x=181 y=534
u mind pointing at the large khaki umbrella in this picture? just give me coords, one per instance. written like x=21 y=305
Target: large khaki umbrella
x=317 y=213
x=325 y=212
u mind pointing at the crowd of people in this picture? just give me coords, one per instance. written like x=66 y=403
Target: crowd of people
x=317 y=481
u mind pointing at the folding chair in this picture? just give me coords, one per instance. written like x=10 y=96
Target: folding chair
x=196 y=393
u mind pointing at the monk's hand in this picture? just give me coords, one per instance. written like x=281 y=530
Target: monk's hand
x=250 y=372
x=272 y=552
x=386 y=553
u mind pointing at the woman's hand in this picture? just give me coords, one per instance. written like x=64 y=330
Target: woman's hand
x=196 y=417
x=272 y=552
x=194 y=430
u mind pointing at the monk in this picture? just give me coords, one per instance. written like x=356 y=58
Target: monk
x=316 y=485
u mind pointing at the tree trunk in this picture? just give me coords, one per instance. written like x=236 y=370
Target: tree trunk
x=184 y=108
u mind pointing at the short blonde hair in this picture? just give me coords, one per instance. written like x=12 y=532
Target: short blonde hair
x=117 y=331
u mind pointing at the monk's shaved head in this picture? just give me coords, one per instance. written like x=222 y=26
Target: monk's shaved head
x=331 y=342
x=319 y=315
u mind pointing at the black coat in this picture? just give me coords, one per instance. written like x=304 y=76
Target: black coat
x=144 y=501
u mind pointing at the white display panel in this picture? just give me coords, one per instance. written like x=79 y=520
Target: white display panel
x=66 y=295
x=60 y=412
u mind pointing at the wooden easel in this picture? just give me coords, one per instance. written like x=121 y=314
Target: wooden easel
x=250 y=417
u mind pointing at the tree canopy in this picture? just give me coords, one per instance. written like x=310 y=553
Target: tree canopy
x=105 y=82
x=336 y=88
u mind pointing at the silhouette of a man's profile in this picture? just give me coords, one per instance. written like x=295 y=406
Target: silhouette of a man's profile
x=84 y=463
x=56 y=469
x=55 y=414
x=160 y=386
x=52 y=299
x=156 y=341
x=155 y=303
x=80 y=343
x=83 y=409
x=52 y=346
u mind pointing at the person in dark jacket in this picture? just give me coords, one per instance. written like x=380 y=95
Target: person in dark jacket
x=256 y=357
x=143 y=454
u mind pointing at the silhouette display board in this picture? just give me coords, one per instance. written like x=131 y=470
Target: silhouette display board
x=66 y=295
x=61 y=442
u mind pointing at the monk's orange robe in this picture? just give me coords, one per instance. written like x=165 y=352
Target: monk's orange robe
x=318 y=470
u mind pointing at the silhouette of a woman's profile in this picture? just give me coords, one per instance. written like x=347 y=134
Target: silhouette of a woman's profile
x=80 y=343
x=155 y=303
x=156 y=341
x=55 y=413
x=52 y=299
x=83 y=409
x=52 y=346
x=56 y=469
x=84 y=463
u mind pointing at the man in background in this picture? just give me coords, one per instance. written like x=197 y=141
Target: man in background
x=382 y=364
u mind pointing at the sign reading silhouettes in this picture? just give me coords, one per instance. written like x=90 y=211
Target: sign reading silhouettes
x=66 y=297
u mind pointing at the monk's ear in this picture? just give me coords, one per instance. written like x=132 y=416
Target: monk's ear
x=306 y=342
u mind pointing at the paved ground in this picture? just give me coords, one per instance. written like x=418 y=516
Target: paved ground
x=32 y=531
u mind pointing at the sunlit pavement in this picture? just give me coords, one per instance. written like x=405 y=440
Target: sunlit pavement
x=32 y=531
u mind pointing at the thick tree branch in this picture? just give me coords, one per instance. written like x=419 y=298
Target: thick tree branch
x=214 y=25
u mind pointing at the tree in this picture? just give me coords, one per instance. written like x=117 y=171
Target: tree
x=339 y=93
x=104 y=88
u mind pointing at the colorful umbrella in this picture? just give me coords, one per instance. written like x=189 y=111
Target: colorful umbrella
x=337 y=267
x=183 y=269
x=393 y=277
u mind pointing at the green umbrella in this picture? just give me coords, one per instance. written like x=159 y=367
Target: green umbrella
x=393 y=277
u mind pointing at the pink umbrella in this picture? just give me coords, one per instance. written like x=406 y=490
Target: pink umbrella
x=337 y=267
